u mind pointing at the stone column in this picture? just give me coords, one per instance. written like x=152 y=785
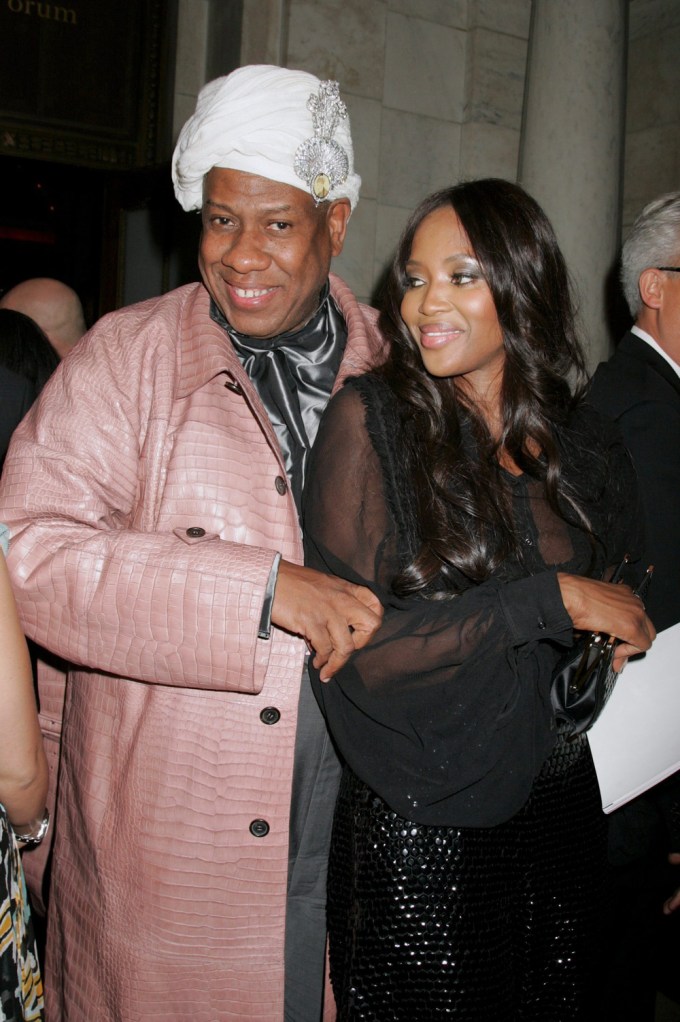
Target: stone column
x=571 y=147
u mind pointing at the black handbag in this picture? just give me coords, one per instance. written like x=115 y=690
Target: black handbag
x=584 y=677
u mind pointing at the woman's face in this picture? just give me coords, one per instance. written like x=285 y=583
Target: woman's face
x=448 y=307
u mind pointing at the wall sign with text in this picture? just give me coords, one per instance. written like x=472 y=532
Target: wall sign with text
x=84 y=81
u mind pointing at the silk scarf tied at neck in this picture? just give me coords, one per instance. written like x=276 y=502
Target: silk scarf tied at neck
x=294 y=375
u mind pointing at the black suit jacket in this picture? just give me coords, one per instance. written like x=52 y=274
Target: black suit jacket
x=641 y=392
x=17 y=395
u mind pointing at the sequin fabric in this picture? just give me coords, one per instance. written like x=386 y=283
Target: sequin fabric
x=430 y=923
x=21 y=989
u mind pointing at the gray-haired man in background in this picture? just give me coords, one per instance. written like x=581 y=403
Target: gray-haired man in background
x=639 y=387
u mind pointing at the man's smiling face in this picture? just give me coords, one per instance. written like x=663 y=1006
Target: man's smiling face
x=266 y=250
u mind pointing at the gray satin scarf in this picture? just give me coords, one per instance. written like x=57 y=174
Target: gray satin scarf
x=294 y=374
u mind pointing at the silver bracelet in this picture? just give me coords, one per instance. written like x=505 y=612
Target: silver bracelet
x=31 y=840
x=264 y=630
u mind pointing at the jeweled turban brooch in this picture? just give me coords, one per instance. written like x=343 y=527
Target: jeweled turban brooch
x=319 y=160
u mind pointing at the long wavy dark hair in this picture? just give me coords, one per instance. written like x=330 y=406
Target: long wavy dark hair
x=462 y=499
x=25 y=348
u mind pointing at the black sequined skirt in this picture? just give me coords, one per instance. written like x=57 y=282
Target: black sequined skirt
x=496 y=924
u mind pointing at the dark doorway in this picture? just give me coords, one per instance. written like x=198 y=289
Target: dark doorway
x=71 y=223
x=51 y=225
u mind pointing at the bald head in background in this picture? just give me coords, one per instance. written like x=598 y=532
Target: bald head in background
x=54 y=306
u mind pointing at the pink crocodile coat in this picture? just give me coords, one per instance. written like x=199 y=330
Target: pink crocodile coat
x=146 y=497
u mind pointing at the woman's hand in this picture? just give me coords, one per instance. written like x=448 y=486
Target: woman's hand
x=608 y=607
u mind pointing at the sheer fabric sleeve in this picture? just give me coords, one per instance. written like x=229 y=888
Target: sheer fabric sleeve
x=445 y=714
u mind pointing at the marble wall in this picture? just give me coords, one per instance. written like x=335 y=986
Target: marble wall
x=435 y=93
x=652 y=154
x=190 y=64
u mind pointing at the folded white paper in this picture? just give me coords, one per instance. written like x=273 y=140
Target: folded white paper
x=635 y=742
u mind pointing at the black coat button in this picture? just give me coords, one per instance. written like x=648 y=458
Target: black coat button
x=270 y=715
x=236 y=388
x=195 y=532
x=259 y=828
x=281 y=485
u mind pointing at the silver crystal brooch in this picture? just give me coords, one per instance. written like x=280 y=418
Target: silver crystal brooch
x=319 y=160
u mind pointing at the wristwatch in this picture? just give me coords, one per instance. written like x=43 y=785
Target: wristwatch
x=31 y=840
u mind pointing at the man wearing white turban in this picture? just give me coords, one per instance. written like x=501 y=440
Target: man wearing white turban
x=156 y=545
x=238 y=125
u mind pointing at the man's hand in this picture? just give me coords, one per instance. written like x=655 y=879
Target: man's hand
x=672 y=903
x=334 y=616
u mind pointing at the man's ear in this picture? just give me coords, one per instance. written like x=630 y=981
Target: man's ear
x=336 y=219
x=651 y=287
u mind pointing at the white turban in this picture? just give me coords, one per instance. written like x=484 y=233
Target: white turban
x=284 y=125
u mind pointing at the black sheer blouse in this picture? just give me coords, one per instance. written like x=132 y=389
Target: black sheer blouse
x=446 y=713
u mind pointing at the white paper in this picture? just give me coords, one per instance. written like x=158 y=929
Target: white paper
x=635 y=742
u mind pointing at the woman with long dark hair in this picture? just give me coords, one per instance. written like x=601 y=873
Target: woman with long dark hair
x=27 y=360
x=25 y=348
x=469 y=486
